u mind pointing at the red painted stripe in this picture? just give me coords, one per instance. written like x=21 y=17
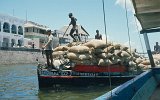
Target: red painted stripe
x=94 y=68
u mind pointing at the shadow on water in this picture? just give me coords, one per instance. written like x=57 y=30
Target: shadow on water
x=20 y=82
x=73 y=92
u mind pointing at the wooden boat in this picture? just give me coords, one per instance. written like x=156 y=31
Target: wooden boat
x=84 y=75
x=139 y=88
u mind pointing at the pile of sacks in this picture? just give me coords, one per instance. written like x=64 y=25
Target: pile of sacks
x=98 y=52
x=156 y=58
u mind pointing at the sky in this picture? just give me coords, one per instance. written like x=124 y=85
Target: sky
x=89 y=14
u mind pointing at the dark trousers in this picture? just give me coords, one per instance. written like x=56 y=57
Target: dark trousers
x=71 y=34
x=49 y=57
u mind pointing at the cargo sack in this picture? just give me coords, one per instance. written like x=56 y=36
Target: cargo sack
x=95 y=51
x=125 y=60
x=84 y=56
x=74 y=56
x=61 y=48
x=71 y=44
x=156 y=61
x=132 y=64
x=125 y=54
x=139 y=60
x=145 y=62
x=74 y=44
x=104 y=62
x=156 y=56
x=116 y=61
x=117 y=46
x=82 y=62
x=58 y=53
x=109 y=49
x=136 y=55
x=109 y=43
x=79 y=49
x=96 y=44
x=117 y=52
x=124 y=48
x=104 y=55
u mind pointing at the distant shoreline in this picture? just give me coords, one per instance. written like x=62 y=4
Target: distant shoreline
x=8 y=57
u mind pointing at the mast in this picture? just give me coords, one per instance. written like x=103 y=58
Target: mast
x=26 y=16
x=148 y=49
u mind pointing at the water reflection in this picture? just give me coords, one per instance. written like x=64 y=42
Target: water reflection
x=19 y=82
x=73 y=92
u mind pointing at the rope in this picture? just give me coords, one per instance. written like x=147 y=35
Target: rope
x=104 y=16
x=129 y=39
x=128 y=26
x=65 y=31
x=139 y=35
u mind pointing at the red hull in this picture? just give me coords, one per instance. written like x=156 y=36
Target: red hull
x=94 y=68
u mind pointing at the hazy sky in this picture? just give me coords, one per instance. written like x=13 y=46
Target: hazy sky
x=54 y=14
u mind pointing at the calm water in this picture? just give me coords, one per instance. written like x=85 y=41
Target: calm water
x=19 y=82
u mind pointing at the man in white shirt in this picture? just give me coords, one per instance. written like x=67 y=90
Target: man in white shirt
x=48 y=49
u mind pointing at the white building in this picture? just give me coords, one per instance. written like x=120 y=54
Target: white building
x=66 y=38
x=11 y=31
x=35 y=32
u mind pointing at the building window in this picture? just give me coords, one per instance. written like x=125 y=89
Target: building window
x=6 y=27
x=19 y=43
x=14 y=29
x=13 y=42
x=42 y=31
x=26 y=30
x=20 y=30
x=5 y=42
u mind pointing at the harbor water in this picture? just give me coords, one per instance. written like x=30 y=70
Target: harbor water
x=20 y=82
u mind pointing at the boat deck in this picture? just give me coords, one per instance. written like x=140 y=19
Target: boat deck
x=156 y=94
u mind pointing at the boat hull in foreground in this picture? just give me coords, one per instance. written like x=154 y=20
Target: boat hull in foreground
x=139 y=88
